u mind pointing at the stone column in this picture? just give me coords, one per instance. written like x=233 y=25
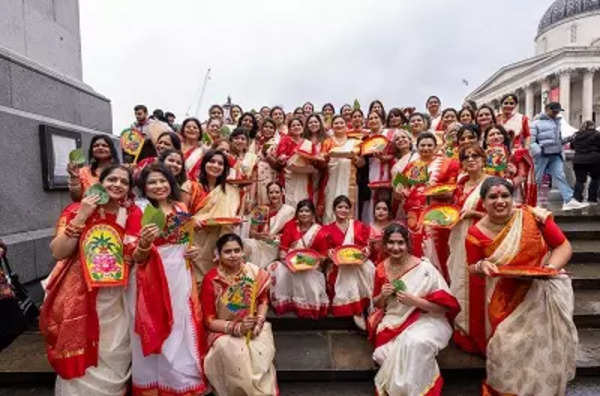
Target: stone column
x=529 y=101
x=587 y=94
x=545 y=92
x=565 y=93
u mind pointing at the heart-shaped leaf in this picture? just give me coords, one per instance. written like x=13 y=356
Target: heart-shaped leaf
x=154 y=216
x=399 y=285
x=98 y=189
x=77 y=157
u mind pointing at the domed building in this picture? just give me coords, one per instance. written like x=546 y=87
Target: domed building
x=564 y=69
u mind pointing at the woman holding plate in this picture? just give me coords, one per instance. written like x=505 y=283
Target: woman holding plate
x=412 y=321
x=235 y=300
x=404 y=155
x=429 y=170
x=267 y=223
x=220 y=201
x=83 y=317
x=191 y=133
x=342 y=156
x=468 y=288
x=350 y=285
x=174 y=362
x=526 y=316
x=302 y=290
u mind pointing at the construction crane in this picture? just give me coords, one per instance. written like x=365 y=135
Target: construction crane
x=200 y=98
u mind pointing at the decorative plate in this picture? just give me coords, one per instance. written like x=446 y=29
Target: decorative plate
x=380 y=184
x=302 y=260
x=241 y=182
x=439 y=189
x=309 y=156
x=131 y=141
x=373 y=145
x=441 y=216
x=522 y=271
x=496 y=158
x=221 y=221
x=348 y=255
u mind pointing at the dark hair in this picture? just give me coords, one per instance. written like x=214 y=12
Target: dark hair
x=238 y=132
x=387 y=203
x=311 y=105
x=462 y=152
x=141 y=107
x=395 y=112
x=425 y=118
x=238 y=106
x=276 y=108
x=510 y=95
x=160 y=168
x=426 y=135
x=328 y=105
x=382 y=114
x=382 y=119
x=181 y=177
x=345 y=105
x=448 y=110
x=340 y=199
x=159 y=115
x=321 y=134
x=335 y=117
x=306 y=203
x=174 y=139
x=299 y=110
x=198 y=124
x=467 y=128
x=471 y=103
x=254 y=130
x=228 y=238
x=221 y=180
x=492 y=182
x=507 y=139
x=215 y=106
x=359 y=111
x=168 y=113
x=269 y=120
x=274 y=183
x=471 y=112
x=107 y=171
x=491 y=112
x=114 y=156
x=433 y=97
x=396 y=228
x=289 y=124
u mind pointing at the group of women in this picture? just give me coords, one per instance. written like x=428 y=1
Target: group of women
x=179 y=308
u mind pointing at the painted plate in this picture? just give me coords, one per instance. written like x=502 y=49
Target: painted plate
x=373 y=144
x=439 y=189
x=221 y=221
x=441 y=216
x=521 y=271
x=380 y=184
x=309 y=156
x=302 y=260
x=348 y=255
x=241 y=182
x=131 y=141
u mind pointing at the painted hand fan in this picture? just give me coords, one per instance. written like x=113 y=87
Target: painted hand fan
x=441 y=216
x=76 y=157
x=417 y=174
x=521 y=271
x=302 y=260
x=348 y=255
x=132 y=141
x=439 y=189
x=221 y=221
x=101 y=249
x=496 y=158
x=153 y=215
x=98 y=189
x=259 y=218
x=374 y=144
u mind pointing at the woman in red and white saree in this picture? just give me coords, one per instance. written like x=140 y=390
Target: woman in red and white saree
x=342 y=156
x=350 y=286
x=515 y=123
x=297 y=171
x=303 y=292
x=83 y=318
x=239 y=360
x=469 y=289
x=172 y=365
x=531 y=337
x=412 y=321
x=267 y=165
x=430 y=169
x=262 y=247
x=404 y=155
x=382 y=217
x=191 y=133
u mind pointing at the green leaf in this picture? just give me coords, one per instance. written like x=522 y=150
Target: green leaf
x=356 y=105
x=77 y=157
x=399 y=285
x=401 y=179
x=154 y=216
x=304 y=259
x=98 y=189
x=225 y=131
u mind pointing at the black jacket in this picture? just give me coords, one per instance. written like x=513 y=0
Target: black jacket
x=587 y=147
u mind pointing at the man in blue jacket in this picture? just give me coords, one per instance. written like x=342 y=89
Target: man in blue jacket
x=546 y=149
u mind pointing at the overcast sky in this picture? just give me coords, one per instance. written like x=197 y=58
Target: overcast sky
x=286 y=52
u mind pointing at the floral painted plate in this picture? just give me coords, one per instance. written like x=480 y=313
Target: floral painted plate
x=241 y=182
x=221 y=221
x=374 y=144
x=302 y=260
x=380 y=184
x=522 y=271
x=309 y=156
x=441 y=216
x=348 y=255
x=439 y=189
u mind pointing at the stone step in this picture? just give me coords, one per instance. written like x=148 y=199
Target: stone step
x=581 y=230
x=591 y=213
x=587 y=308
x=585 y=275
x=585 y=251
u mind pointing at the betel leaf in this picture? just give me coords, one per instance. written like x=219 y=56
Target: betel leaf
x=77 y=157
x=154 y=216
x=401 y=179
x=399 y=285
x=356 y=105
x=305 y=259
x=225 y=131
x=98 y=189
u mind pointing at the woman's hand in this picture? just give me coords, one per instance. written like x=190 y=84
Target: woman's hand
x=487 y=268
x=88 y=206
x=387 y=290
x=193 y=254
x=511 y=169
x=73 y=170
x=248 y=324
x=260 y=322
x=406 y=298
x=366 y=251
x=148 y=234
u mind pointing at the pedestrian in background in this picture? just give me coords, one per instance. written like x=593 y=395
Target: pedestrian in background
x=586 y=143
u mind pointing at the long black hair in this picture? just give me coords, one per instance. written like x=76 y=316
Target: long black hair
x=228 y=238
x=507 y=140
x=160 y=168
x=252 y=131
x=382 y=114
x=181 y=177
x=198 y=124
x=175 y=141
x=222 y=179
x=114 y=156
x=306 y=203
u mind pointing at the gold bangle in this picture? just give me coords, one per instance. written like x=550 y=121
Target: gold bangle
x=142 y=249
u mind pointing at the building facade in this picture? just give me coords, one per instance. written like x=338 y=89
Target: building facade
x=565 y=68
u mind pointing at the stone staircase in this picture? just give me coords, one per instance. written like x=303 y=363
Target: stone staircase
x=331 y=356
